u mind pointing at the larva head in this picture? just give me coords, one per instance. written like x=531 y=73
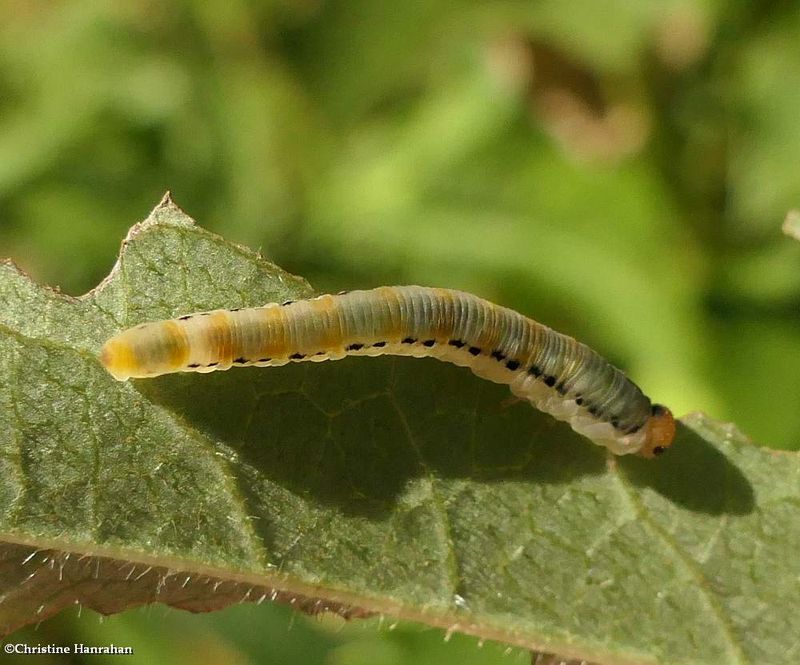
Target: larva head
x=660 y=432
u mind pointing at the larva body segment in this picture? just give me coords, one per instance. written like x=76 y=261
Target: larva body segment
x=554 y=372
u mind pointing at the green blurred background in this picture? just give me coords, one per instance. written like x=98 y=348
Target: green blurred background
x=618 y=169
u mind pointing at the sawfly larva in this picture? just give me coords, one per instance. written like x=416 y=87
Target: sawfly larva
x=557 y=374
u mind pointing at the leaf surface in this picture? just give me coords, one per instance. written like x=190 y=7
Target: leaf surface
x=387 y=485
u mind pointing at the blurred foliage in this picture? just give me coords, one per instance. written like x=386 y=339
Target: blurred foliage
x=264 y=634
x=618 y=170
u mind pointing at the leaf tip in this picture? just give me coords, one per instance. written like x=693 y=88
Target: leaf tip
x=165 y=212
x=166 y=200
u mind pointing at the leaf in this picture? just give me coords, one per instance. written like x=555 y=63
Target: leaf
x=384 y=485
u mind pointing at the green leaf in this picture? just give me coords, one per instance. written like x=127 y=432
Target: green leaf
x=388 y=485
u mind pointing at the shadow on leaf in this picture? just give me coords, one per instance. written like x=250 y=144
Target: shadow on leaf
x=353 y=433
x=695 y=475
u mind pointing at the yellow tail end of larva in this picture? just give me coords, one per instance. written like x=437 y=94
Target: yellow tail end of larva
x=118 y=358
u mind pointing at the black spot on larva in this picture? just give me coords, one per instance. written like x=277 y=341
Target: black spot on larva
x=286 y=302
x=512 y=365
x=240 y=360
x=614 y=423
x=633 y=430
x=212 y=364
x=593 y=410
x=550 y=381
x=235 y=309
x=193 y=365
x=561 y=389
x=429 y=342
x=354 y=347
x=409 y=340
x=658 y=409
x=474 y=350
x=205 y=314
x=379 y=344
x=535 y=371
x=658 y=450
x=297 y=356
x=456 y=343
x=263 y=360
x=319 y=353
x=498 y=355
x=185 y=318
x=579 y=400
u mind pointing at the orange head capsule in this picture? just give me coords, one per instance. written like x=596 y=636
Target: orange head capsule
x=660 y=432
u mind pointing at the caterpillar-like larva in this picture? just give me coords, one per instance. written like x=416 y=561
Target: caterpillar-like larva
x=554 y=372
